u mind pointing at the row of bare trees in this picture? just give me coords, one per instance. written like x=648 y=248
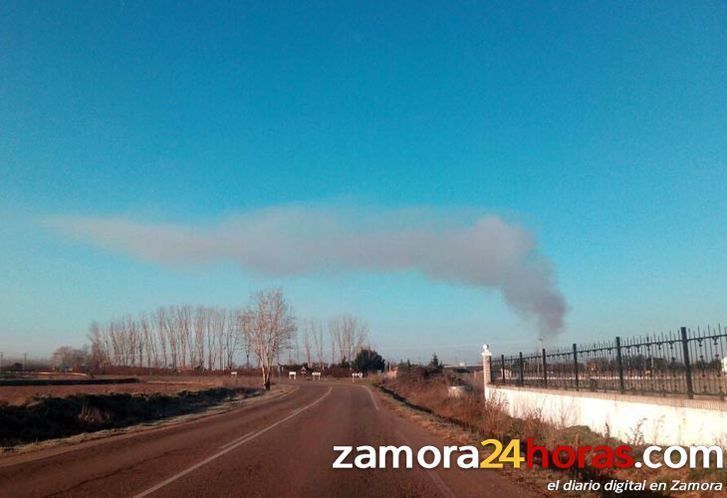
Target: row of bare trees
x=208 y=338
x=347 y=335
x=176 y=337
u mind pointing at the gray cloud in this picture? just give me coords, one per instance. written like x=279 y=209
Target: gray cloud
x=485 y=252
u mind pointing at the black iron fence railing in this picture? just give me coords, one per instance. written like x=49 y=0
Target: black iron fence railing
x=690 y=362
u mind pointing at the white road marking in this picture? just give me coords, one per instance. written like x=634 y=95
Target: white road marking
x=234 y=445
x=230 y=443
x=373 y=400
x=235 y=440
x=446 y=491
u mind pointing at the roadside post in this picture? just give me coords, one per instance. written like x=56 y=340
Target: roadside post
x=486 y=359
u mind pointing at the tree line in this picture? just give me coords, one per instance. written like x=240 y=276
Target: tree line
x=204 y=338
x=171 y=337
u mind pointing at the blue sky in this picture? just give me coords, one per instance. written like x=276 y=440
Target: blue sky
x=599 y=126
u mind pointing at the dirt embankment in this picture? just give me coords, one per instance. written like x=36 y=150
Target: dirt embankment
x=169 y=384
x=45 y=418
x=66 y=382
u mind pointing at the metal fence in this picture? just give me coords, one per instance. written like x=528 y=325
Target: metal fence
x=690 y=362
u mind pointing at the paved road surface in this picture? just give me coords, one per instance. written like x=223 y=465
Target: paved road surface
x=275 y=448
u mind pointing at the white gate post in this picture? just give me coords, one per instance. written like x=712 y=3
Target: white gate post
x=486 y=358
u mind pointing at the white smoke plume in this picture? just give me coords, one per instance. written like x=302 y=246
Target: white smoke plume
x=486 y=252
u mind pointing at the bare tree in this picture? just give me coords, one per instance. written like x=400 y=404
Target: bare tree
x=232 y=337
x=170 y=323
x=68 y=358
x=211 y=327
x=147 y=334
x=221 y=327
x=183 y=325
x=161 y=320
x=116 y=336
x=200 y=321
x=317 y=335
x=243 y=317
x=98 y=356
x=307 y=341
x=349 y=334
x=295 y=348
x=270 y=325
x=132 y=340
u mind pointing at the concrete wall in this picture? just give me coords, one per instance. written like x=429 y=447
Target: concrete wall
x=663 y=421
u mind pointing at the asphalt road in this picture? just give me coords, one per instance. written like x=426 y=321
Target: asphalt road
x=273 y=448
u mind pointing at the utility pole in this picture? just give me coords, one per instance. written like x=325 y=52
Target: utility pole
x=25 y=361
x=1 y=361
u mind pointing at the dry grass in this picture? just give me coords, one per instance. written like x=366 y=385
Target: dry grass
x=486 y=417
x=478 y=419
x=462 y=421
